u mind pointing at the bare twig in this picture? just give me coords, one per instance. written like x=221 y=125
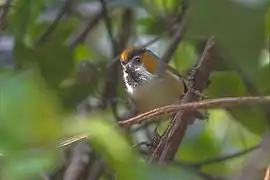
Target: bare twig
x=203 y=175
x=192 y=106
x=108 y=25
x=174 y=134
x=223 y=158
x=64 y=10
x=174 y=44
x=89 y=26
x=3 y=14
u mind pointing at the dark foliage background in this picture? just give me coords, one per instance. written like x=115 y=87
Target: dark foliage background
x=59 y=78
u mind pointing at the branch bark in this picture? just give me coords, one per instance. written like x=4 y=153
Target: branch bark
x=174 y=134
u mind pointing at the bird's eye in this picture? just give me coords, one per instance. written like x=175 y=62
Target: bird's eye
x=137 y=60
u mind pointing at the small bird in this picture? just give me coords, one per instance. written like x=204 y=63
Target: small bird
x=145 y=88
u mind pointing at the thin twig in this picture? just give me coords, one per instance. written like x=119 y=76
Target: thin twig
x=108 y=25
x=64 y=10
x=203 y=175
x=174 y=44
x=89 y=26
x=223 y=158
x=192 y=106
x=3 y=14
x=175 y=132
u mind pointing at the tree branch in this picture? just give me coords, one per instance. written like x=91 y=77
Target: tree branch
x=108 y=25
x=89 y=26
x=178 y=36
x=65 y=9
x=174 y=134
x=192 y=106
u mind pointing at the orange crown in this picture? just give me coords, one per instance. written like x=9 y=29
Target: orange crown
x=149 y=60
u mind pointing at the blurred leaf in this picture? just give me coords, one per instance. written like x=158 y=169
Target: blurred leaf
x=172 y=173
x=112 y=145
x=239 y=29
x=164 y=5
x=53 y=59
x=25 y=17
x=82 y=52
x=29 y=113
x=221 y=86
x=152 y=25
x=199 y=148
x=26 y=165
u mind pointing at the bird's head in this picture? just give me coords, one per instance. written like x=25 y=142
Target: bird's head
x=139 y=61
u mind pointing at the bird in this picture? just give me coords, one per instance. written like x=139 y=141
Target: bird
x=145 y=88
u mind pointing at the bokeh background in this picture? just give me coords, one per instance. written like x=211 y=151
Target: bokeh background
x=60 y=77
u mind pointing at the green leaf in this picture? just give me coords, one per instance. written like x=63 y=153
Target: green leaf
x=201 y=147
x=229 y=84
x=239 y=34
x=27 y=164
x=24 y=18
x=29 y=114
x=185 y=57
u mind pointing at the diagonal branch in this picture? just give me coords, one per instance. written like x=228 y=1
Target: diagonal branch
x=65 y=9
x=108 y=25
x=174 y=134
x=224 y=158
x=88 y=27
x=178 y=36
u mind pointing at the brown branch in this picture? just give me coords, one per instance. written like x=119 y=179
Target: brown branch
x=174 y=134
x=192 y=106
x=3 y=14
x=64 y=10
